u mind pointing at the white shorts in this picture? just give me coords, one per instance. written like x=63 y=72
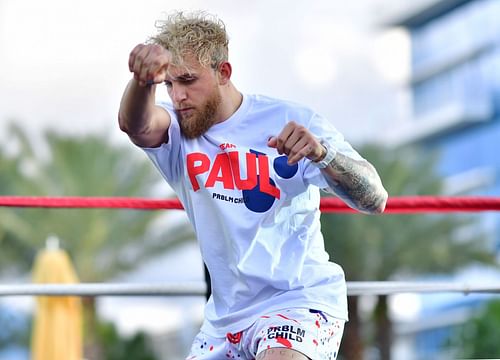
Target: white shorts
x=311 y=332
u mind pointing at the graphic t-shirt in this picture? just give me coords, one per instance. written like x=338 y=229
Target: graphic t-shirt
x=256 y=218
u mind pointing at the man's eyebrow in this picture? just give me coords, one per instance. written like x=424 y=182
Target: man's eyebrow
x=186 y=76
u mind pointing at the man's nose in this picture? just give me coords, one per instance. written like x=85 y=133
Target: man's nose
x=178 y=94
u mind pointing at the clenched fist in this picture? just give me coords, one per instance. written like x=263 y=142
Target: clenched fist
x=297 y=142
x=149 y=63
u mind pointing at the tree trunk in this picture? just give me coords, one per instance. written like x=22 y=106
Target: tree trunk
x=92 y=348
x=383 y=328
x=352 y=347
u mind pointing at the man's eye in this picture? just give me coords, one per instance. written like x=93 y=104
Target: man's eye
x=168 y=84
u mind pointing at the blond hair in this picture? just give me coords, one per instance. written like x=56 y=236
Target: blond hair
x=197 y=34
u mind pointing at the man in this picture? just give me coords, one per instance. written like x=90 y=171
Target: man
x=247 y=170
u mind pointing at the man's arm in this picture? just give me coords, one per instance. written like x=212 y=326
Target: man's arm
x=144 y=122
x=355 y=181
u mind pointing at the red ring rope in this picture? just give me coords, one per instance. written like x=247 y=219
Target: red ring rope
x=395 y=205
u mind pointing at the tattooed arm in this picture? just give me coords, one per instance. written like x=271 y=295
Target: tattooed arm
x=357 y=183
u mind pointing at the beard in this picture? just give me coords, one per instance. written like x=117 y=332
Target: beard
x=200 y=120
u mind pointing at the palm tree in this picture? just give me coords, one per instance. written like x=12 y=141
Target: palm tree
x=379 y=248
x=13 y=252
x=102 y=243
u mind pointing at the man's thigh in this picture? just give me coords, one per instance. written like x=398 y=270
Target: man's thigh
x=290 y=334
x=297 y=334
x=281 y=354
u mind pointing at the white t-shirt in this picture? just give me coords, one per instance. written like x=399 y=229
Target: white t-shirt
x=256 y=218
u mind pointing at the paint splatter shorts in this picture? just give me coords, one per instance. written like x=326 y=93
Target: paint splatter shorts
x=311 y=332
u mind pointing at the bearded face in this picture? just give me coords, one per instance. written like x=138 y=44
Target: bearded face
x=196 y=121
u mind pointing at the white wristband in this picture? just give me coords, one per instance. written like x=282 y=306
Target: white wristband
x=330 y=155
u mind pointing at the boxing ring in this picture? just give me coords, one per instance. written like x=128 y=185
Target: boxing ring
x=395 y=205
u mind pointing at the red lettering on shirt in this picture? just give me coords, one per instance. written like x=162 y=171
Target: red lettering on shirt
x=194 y=169
x=251 y=181
x=226 y=170
x=225 y=146
x=265 y=184
x=221 y=171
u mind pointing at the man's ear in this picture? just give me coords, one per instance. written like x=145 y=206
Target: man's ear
x=224 y=72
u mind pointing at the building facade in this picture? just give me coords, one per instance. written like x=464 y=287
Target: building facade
x=455 y=86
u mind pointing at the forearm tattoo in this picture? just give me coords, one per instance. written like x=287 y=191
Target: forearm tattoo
x=357 y=183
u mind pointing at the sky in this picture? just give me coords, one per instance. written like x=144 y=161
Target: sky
x=63 y=65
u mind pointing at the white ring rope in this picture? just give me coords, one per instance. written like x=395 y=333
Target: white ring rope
x=105 y=289
x=199 y=288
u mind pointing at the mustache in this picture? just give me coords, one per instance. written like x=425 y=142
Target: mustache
x=184 y=107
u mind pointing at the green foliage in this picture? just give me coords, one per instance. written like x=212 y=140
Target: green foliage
x=10 y=176
x=102 y=243
x=117 y=347
x=380 y=247
x=478 y=338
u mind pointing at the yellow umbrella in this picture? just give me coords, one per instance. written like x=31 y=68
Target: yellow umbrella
x=57 y=327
